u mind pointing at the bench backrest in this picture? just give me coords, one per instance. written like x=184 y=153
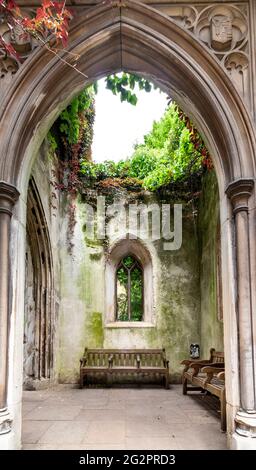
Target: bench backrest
x=152 y=358
x=96 y=357
x=124 y=357
x=216 y=356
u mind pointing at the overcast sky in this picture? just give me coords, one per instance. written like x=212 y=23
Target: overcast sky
x=118 y=126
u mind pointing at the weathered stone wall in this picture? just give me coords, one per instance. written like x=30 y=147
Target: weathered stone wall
x=46 y=286
x=184 y=297
x=211 y=326
x=175 y=317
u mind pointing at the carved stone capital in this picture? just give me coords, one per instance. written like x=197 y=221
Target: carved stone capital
x=246 y=424
x=8 y=196
x=5 y=421
x=239 y=192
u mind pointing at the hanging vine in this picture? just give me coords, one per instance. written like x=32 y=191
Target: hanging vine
x=70 y=139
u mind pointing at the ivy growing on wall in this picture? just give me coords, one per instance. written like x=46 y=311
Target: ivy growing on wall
x=75 y=124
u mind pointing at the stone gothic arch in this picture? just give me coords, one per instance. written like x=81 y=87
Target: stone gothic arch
x=140 y=39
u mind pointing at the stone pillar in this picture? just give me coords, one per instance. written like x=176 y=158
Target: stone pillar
x=239 y=193
x=8 y=197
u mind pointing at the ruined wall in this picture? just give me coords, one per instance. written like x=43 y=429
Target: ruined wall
x=176 y=304
x=211 y=326
x=185 y=287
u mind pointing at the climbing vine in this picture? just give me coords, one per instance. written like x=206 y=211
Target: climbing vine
x=70 y=139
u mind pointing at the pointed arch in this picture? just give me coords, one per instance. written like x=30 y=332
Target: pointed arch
x=129 y=246
x=136 y=38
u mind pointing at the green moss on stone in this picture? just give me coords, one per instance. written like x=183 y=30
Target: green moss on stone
x=211 y=327
x=96 y=256
x=94 y=330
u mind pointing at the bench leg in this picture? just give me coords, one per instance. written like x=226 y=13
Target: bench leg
x=81 y=380
x=184 y=386
x=167 y=386
x=223 y=411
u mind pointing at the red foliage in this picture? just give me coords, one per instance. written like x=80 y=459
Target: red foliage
x=51 y=18
x=197 y=141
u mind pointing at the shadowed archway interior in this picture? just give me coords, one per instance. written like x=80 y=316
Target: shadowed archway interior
x=39 y=294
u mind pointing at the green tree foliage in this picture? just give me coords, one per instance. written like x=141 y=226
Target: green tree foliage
x=124 y=84
x=171 y=151
x=75 y=124
x=129 y=290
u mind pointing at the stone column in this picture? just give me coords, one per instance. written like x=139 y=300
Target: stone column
x=239 y=193
x=8 y=197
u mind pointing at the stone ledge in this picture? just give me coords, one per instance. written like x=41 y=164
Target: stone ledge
x=130 y=324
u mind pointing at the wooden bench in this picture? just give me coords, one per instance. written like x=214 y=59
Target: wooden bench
x=208 y=375
x=139 y=362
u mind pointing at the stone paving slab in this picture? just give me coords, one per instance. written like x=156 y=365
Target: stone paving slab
x=33 y=430
x=66 y=417
x=111 y=432
x=61 y=432
x=53 y=412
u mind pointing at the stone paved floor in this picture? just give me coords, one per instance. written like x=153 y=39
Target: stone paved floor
x=119 y=418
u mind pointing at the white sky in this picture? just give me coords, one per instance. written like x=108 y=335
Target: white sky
x=118 y=126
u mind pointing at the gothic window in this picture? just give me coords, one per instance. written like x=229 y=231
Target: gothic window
x=129 y=285
x=129 y=290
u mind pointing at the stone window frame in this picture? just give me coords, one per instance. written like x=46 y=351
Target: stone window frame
x=122 y=248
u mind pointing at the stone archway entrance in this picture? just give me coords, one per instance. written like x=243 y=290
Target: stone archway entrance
x=139 y=39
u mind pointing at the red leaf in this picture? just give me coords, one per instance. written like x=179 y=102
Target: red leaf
x=9 y=49
x=12 y=6
x=58 y=6
x=47 y=4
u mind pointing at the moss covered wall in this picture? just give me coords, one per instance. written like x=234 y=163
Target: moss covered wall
x=211 y=328
x=175 y=320
x=185 y=305
x=82 y=298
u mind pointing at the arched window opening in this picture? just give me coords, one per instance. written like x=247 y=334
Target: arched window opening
x=129 y=290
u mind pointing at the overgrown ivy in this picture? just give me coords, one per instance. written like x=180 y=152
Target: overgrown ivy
x=170 y=160
x=75 y=124
x=172 y=151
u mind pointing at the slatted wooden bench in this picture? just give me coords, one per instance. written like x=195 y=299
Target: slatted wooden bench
x=130 y=362
x=207 y=375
